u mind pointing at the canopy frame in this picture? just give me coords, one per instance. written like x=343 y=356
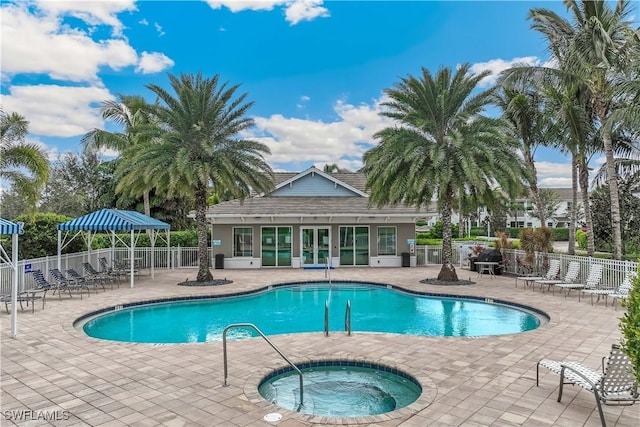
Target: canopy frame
x=113 y=221
x=8 y=227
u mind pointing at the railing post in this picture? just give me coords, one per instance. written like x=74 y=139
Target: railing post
x=255 y=328
x=326 y=318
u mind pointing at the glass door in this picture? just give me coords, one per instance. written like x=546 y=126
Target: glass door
x=315 y=245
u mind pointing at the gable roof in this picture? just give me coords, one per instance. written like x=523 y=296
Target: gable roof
x=344 y=180
x=8 y=227
x=113 y=220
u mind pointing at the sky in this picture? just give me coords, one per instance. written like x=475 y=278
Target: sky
x=315 y=70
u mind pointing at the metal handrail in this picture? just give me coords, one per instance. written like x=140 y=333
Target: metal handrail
x=326 y=318
x=255 y=328
x=347 y=318
x=327 y=269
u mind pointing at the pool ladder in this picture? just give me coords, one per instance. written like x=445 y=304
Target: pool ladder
x=347 y=318
x=255 y=328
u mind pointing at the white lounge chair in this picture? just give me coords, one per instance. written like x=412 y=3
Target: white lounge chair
x=615 y=385
x=552 y=273
x=622 y=291
x=573 y=271
x=592 y=282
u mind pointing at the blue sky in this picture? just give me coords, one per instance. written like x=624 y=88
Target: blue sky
x=315 y=70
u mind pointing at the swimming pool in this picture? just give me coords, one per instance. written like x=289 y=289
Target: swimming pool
x=293 y=308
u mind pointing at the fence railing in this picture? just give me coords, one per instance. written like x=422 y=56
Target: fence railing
x=178 y=257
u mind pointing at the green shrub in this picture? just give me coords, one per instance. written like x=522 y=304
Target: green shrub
x=581 y=238
x=478 y=231
x=184 y=238
x=561 y=234
x=630 y=327
x=40 y=237
x=514 y=233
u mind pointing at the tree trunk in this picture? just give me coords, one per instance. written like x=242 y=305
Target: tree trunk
x=584 y=187
x=448 y=271
x=574 y=206
x=612 y=179
x=147 y=207
x=533 y=185
x=204 y=274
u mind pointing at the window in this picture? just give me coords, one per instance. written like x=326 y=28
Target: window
x=386 y=240
x=242 y=241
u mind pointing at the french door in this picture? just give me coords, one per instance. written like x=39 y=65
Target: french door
x=315 y=245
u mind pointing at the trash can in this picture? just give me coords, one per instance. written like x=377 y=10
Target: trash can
x=406 y=259
x=219 y=261
x=472 y=263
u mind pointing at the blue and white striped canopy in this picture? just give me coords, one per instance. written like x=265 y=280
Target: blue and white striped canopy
x=113 y=220
x=8 y=227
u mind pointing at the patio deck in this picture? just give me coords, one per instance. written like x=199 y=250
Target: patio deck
x=52 y=369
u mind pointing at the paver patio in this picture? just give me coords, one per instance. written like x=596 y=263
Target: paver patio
x=52 y=369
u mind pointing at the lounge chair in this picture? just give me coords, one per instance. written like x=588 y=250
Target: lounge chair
x=552 y=273
x=615 y=385
x=42 y=283
x=115 y=271
x=94 y=274
x=28 y=296
x=592 y=282
x=573 y=271
x=88 y=281
x=68 y=284
x=621 y=292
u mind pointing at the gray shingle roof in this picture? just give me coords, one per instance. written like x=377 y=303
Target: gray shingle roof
x=305 y=206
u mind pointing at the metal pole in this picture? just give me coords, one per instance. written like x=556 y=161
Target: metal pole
x=14 y=288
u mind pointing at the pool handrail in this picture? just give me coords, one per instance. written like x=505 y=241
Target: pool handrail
x=255 y=328
x=326 y=318
x=347 y=318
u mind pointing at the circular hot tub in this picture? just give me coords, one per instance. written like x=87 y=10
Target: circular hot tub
x=340 y=388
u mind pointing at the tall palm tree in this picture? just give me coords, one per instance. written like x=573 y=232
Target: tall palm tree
x=17 y=155
x=521 y=107
x=196 y=150
x=441 y=145
x=596 y=49
x=132 y=114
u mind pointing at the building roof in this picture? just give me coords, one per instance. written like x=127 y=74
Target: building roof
x=113 y=220
x=308 y=206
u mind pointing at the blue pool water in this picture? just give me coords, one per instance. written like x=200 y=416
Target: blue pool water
x=340 y=390
x=300 y=308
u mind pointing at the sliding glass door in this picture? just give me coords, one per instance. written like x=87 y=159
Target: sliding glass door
x=354 y=245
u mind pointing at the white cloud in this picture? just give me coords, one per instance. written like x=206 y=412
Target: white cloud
x=305 y=98
x=555 y=182
x=159 y=29
x=496 y=66
x=239 y=6
x=344 y=141
x=39 y=43
x=295 y=10
x=57 y=110
x=91 y=12
x=305 y=10
x=153 y=62
x=143 y=22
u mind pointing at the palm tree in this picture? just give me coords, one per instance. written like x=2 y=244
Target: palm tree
x=196 y=150
x=521 y=107
x=596 y=49
x=132 y=114
x=16 y=155
x=441 y=145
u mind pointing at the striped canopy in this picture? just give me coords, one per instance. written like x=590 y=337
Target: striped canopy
x=8 y=227
x=113 y=220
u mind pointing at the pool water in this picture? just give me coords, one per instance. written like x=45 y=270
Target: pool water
x=300 y=308
x=341 y=391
